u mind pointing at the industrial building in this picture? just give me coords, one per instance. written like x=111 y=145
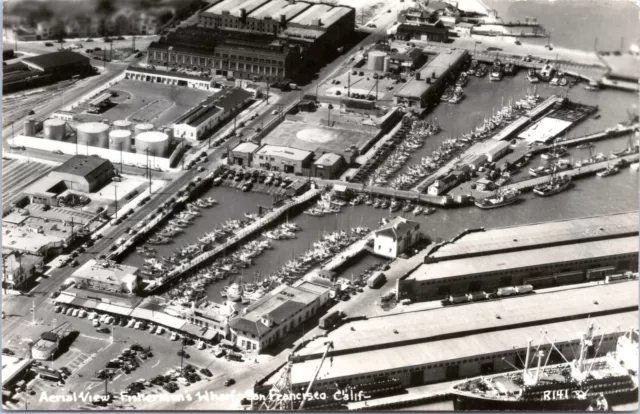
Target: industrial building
x=107 y=276
x=540 y=267
x=277 y=313
x=286 y=159
x=329 y=166
x=453 y=358
x=396 y=237
x=425 y=88
x=138 y=73
x=46 y=69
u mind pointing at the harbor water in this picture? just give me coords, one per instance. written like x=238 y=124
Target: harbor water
x=589 y=196
x=577 y=23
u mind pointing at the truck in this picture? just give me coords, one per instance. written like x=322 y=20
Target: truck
x=506 y=291
x=454 y=300
x=523 y=289
x=330 y=321
x=376 y=280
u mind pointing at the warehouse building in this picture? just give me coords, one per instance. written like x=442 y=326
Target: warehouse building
x=329 y=166
x=84 y=173
x=426 y=87
x=277 y=313
x=107 y=276
x=286 y=159
x=453 y=358
x=542 y=267
x=242 y=154
x=62 y=65
x=197 y=121
x=205 y=83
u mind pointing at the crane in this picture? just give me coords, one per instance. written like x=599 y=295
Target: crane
x=329 y=345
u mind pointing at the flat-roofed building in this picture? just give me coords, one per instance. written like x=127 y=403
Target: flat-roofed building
x=169 y=78
x=278 y=312
x=84 y=173
x=458 y=357
x=329 y=166
x=546 y=266
x=285 y=159
x=429 y=82
x=242 y=154
x=108 y=276
x=196 y=122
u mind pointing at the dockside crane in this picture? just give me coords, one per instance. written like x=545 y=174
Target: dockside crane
x=329 y=345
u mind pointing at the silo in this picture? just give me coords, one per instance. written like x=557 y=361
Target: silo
x=376 y=60
x=122 y=124
x=156 y=142
x=387 y=64
x=93 y=134
x=120 y=139
x=54 y=129
x=140 y=128
x=30 y=127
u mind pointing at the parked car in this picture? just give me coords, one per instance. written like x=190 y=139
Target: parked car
x=229 y=382
x=103 y=330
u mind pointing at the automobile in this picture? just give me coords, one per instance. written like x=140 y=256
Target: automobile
x=123 y=322
x=371 y=25
x=57 y=309
x=389 y=11
x=69 y=311
x=229 y=382
x=48 y=44
x=96 y=323
x=74 y=254
x=238 y=177
x=136 y=348
x=170 y=387
x=103 y=318
x=57 y=152
x=65 y=370
x=284 y=184
x=205 y=371
x=131 y=323
x=183 y=354
x=7 y=351
x=361 y=73
x=274 y=112
x=254 y=116
x=82 y=313
x=159 y=330
x=116 y=321
x=174 y=336
x=103 y=330
x=269 y=179
x=201 y=345
x=97 y=49
x=120 y=38
x=183 y=381
x=142 y=356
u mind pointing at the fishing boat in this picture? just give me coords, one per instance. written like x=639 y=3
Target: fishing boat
x=547 y=72
x=510 y=69
x=429 y=210
x=563 y=81
x=610 y=170
x=385 y=204
x=417 y=211
x=496 y=71
x=462 y=80
x=554 y=152
x=564 y=386
x=555 y=185
x=539 y=171
x=407 y=207
x=395 y=206
x=457 y=96
x=234 y=292
x=500 y=199
x=377 y=203
x=482 y=71
x=532 y=76
x=585 y=145
x=447 y=94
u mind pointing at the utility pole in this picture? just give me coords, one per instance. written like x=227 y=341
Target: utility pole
x=115 y=189
x=267 y=93
x=104 y=56
x=33 y=315
x=110 y=49
x=181 y=356
x=133 y=44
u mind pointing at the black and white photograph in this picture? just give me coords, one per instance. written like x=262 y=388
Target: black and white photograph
x=320 y=205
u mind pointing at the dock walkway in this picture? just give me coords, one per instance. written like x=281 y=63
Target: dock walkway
x=414 y=396
x=242 y=234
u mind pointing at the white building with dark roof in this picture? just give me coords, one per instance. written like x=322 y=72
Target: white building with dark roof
x=107 y=276
x=396 y=237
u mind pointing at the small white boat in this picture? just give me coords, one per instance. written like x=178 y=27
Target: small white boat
x=417 y=211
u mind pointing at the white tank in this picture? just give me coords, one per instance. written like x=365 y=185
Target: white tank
x=122 y=124
x=54 y=129
x=120 y=139
x=387 y=64
x=140 y=128
x=376 y=60
x=93 y=134
x=156 y=142
x=30 y=127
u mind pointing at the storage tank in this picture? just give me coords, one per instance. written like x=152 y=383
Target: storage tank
x=120 y=139
x=387 y=64
x=94 y=134
x=54 y=129
x=140 y=128
x=30 y=127
x=122 y=124
x=156 y=142
x=376 y=60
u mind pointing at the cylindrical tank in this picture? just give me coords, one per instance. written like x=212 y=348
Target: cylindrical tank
x=120 y=139
x=387 y=64
x=30 y=127
x=140 y=128
x=156 y=142
x=376 y=60
x=122 y=124
x=54 y=129
x=93 y=134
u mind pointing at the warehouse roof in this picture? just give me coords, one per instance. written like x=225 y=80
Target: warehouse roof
x=198 y=115
x=439 y=65
x=461 y=320
x=81 y=165
x=246 y=147
x=537 y=234
x=317 y=11
x=481 y=344
x=177 y=75
x=271 y=9
x=284 y=152
x=328 y=159
x=229 y=98
x=516 y=260
x=180 y=49
x=54 y=60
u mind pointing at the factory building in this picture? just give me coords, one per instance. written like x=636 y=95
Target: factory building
x=541 y=267
x=286 y=159
x=396 y=237
x=85 y=174
x=426 y=87
x=277 y=313
x=107 y=276
x=204 y=83
x=62 y=65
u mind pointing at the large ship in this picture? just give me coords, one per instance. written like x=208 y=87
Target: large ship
x=502 y=198
x=555 y=185
x=582 y=384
